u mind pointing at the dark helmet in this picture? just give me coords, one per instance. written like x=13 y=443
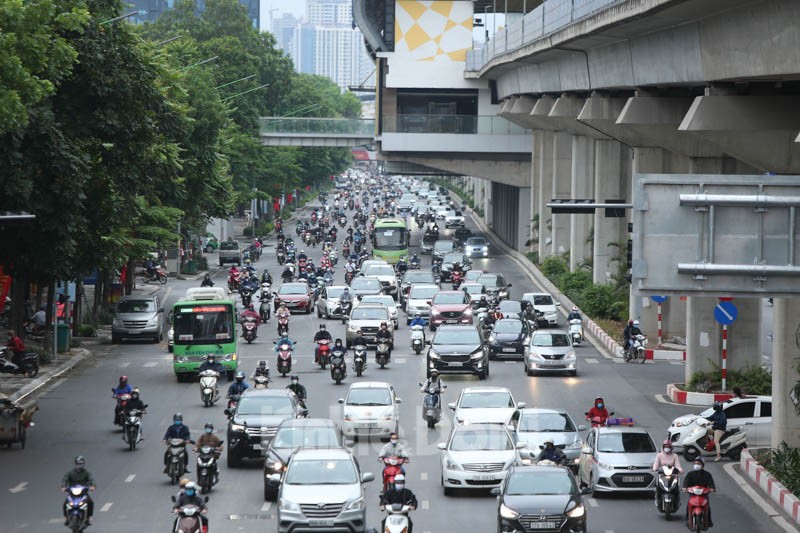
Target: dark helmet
x=295 y=377
x=262 y=364
x=322 y=327
x=211 y=358
x=240 y=376
x=80 y=461
x=384 y=324
x=718 y=406
x=338 y=342
x=177 y=417
x=210 y=426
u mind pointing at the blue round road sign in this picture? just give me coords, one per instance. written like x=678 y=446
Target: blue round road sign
x=659 y=299
x=725 y=313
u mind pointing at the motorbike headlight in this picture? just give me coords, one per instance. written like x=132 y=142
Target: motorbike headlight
x=508 y=513
x=356 y=505
x=577 y=512
x=683 y=423
x=286 y=505
x=237 y=427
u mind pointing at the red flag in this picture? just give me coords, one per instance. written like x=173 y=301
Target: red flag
x=5 y=286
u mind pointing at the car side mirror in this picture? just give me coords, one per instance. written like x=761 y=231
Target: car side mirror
x=495 y=491
x=509 y=285
x=521 y=405
x=587 y=450
x=442 y=445
x=558 y=304
x=398 y=400
x=349 y=443
x=586 y=490
x=366 y=477
x=160 y=309
x=521 y=445
x=340 y=400
x=582 y=427
x=452 y=406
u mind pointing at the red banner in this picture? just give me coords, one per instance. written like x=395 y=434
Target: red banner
x=5 y=286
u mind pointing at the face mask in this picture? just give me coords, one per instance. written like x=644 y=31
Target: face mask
x=190 y=492
x=178 y=422
x=394 y=442
x=208 y=430
x=667 y=450
x=399 y=486
x=698 y=467
x=599 y=405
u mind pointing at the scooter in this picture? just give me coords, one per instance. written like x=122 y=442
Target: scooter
x=359 y=359
x=598 y=421
x=250 y=329
x=338 y=368
x=261 y=382
x=283 y=326
x=284 y=359
x=396 y=518
x=176 y=452
x=281 y=256
x=383 y=353
x=188 y=519
x=432 y=406
x=576 y=331
x=345 y=308
x=265 y=308
x=392 y=465
x=348 y=277
x=636 y=350
x=455 y=280
x=209 y=392
x=207 y=470
x=132 y=428
x=667 y=491
x=159 y=275
x=29 y=366
x=417 y=338
x=698 y=508
x=323 y=353
x=414 y=263
x=697 y=442
x=76 y=507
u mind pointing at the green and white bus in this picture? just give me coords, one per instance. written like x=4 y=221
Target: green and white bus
x=390 y=240
x=204 y=322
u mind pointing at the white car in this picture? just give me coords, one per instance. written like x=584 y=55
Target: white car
x=371 y=408
x=544 y=302
x=443 y=212
x=752 y=414
x=618 y=458
x=386 y=275
x=384 y=300
x=419 y=300
x=478 y=456
x=454 y=220
x=493 y=405
x=328 y=302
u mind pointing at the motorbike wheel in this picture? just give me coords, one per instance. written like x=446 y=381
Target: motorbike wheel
x=431 y=423
x=338 y=380
x=690 y=453
x=162 y=279
x=173 y=479
x=33 y=371
x=75 y=523
x=207 y=401
x=697 y=523
x=628 y=356
x=735 y=454
x=641 y=355
x=359 y=371
x=131 y=440
x=383 y=364
x=417 y=350
x=668 y=511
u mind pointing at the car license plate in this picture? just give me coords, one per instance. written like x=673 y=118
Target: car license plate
x=368 y=425
x=484 y=477
x=451 y=321
x=133 y=332
x=509 y=350
x=633 y=479
x=541 y=525
x=455 y=363
x=320 y=523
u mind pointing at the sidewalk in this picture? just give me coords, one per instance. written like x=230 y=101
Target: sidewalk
x=20 y=388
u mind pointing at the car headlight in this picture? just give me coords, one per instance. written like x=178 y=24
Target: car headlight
x=237 y=427
x=356 y=505
x=433 y=355
x=434 y=311
x=570 y=355
x=533 y=354
x=286 y=505
x=485 y=248
x=277 y=465
x=468 y=311
x=349 y=417
x=452 y=465
x=577 y=512
x=508 y=513
x=153 y=321
x=602 y=465
x=476 y=355
x=387 y=417
x=117 y=323
x=352 y=327
x=492 y=338
x=683 y=423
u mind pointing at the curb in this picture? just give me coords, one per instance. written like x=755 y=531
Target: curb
x=40 y=382
x=695 y=398
x=778 y=493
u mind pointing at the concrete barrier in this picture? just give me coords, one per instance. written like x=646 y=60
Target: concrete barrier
x=695 y=398
x=773 y=488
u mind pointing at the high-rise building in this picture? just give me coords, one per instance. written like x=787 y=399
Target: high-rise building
x=283 y=29
x=329 y=12
x=150 y=10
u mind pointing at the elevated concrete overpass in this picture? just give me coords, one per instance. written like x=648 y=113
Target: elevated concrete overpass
x=312 y=131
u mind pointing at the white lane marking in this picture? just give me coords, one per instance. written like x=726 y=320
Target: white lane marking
x=592 y=502
x=663 y=399
x=609 y=531
x=19 y=488
x=400 y=361
x=151 y=364
x=106 y=507
x=265 y=508
x=55 y=520
x=130 y=478
x=591 y=361
x=757 y=498
x=125 y=364
x=426 y=505
x=619 y=361
x=678 y=363
x=423 y=476
x=510 y=362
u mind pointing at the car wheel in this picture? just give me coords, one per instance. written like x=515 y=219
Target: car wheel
x=209 y=249
x=270 y=493
x=482 y=375
x=234 y=461
x=529 y=372
x=114 y=339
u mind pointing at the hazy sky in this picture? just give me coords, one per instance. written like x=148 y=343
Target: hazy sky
x=296 y=7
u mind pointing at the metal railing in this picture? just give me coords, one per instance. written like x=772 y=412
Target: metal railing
x=453 y=124
x=344 y=127
x=551 y=16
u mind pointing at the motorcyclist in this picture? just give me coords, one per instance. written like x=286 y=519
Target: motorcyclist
x=209 y=439
x=207 y=281
x=719 y=424
x=414 y=259
x=699 y=477
x=359 y=339
x=393 y=448
x=346 y=298
x=190 y=497
x=599 y=411
x=79 y=476
x=299 y=392
x=121 y=388
x=493 y=317
x=322 y=334
x=417 y=321
x=385 y=334
x=283 y=311
x=302 y=256
x=283 y=340
x=631 y=331
x=261 y=370
x=666 y=458
x=238 y=386
x=266 y=277
x=338 y=351
x=250 y=312
x=401 y=267
x=150 y=267
x=287 y=274
x=177 y=431
x=399 y=494
x=16 y=346
x=434 y=385
x=135 y=403
x=211 y=363
x=483 y=303
x=574 y=314
x=551 y=453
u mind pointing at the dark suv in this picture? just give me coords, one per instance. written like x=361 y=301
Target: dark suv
x=255 y=420
x=458 y=349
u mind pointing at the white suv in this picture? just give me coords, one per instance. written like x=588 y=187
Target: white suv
x=544 y=303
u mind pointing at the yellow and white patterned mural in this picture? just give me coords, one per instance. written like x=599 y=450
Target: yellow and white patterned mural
x=428 y=30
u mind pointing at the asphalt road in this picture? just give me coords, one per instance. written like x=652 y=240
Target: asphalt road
x=133 y=495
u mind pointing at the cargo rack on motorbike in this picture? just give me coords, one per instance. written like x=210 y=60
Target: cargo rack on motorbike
x=620 y=421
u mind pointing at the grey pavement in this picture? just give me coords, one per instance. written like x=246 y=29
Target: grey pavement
x=133 y=495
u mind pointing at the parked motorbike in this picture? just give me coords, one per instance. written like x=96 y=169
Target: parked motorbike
x=392 y=466
x=698 y=508
x=283 y=326
x=209 y=392
x=323 y=352
x=132 y=428
x=176 y=452
x=576 y=331
x=338 y=367
x=28 y=366
x=359 y=359
x=207 y=469
x=396 y=518
x=432 y=406
x=383 y=353
x=636 y=349
x=667 y=491
x=159 y=275
x=698 y=442
x=250 y=329
x=76 y=506
x=284 y=359
x=417 y=338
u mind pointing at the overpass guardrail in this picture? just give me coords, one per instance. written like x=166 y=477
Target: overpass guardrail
x=312 y=126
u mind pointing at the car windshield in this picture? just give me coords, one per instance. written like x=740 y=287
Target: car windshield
x=508 y=326
x=294 y=288
x=443 y=246
x=365 y=284
x=422 y=292
x=264 y=405
x=306 y=437
x=473 y=288
x=510 y=306
x=334 y=292
x=543 y=299
x=369 y=313
x=476 y=241
x=540 y=483
x=322 y=472
x=448 y=298
x=136 y=306
x=418 y=277
x=380 y=270
x=369 y=396
x=625 y=443
x=452 y=258
x=550 y=339
x=429 y=238
x=489 y=280
x=486 y=400
x=473 y=275
x=375 y=299
x=465 y=335
x=480 y=439
x=226 y=245
x=544 y=422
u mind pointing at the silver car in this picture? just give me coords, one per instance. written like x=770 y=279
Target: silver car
x=365 y=285
x=138 y=317
x=550 y=350
x=414 y=276
x=323 y=490
x=328 y=302
x=538 y=425
x=367 y=318
x=618 y=458
x=476 y=247
x=386 y=275
x=384 y=300
x=419 y=300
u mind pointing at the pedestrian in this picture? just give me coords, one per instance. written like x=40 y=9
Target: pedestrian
x=738 y=393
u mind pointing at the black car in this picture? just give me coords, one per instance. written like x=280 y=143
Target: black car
x=293 y=434
x=508 y=338
x=496 y=285
x=255 y=420
x=461 y=235
x=458 y=349
x=540 y=498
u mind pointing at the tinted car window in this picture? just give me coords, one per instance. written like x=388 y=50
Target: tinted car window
x=548 y=339
x=362 y=283
x=480 y=439
x=766 y=409
x=322 y=472
x=508 y=326
x=476 y=241
x=444 y=298
x=369 y=313
x=457 y=336
x=556 y=422
x=369 y=396
x=225 y=245
x=136 y=306
x=380 y=270
x=481 y=400
x=741 y=410
x=418 y=277
x=540 y=483
x=423 y=292
x=293 y=289
x=298 y=437
x=625 y=443
x=261 y=405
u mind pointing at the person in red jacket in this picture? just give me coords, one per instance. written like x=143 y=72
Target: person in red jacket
x=16 y=346
x=598 y=414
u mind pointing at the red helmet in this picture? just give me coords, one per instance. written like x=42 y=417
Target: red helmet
x=123 y=379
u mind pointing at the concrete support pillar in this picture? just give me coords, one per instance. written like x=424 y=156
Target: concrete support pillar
x=703 y=335
x=743 y=335
x=524 y=218
x=545 y=190
x=582 y=186
x=562 y=177
x=536 y=155
x=487 y=202
x=607 y=186
x=785 y=353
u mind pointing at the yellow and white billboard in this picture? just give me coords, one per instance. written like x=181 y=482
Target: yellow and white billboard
x=431 y=30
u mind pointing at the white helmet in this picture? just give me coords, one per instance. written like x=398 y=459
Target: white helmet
x=635 y=322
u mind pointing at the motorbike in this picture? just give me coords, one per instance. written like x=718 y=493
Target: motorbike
x=233 y=282
x=345 y=308
x=283 y=325
x=414 y=263
x=342 y=221
x=176 y=452
x=76 y=507
x=392 y=466
x=261 y=382
x=348 y=277
x=417 y=339
x=455 y=280
x=233 y=401
x=698 y=508
x=338 y=368
x=432 y=406
x=28 y=366
x=298 y=229
x=209 y=392
x=576 y=331
x=346 y=251
x=132 y=428
x=284 y=359
x=250 y=329
x=281 y=257
x=207 y=470
x=597 y=421
x=698 y=442
x=323 y=352
x=383 y=352
x=265 y=309
x=159 y=275
x=667 y=491
x=359 y=359
x=636 y=349
x=396 y=518
x=119 y=416
x=188 y=519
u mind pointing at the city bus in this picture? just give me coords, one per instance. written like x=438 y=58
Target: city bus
x=390 y=240
x=204 y=322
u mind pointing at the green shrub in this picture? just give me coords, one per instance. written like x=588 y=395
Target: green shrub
x=45 y=357
x=86 y=330
x=533 y=257
x=784 y=464
x=553 y=268
x=599 y=301
x=753 y=379
x=74 y=342
x=105 y=316
x=202 y=263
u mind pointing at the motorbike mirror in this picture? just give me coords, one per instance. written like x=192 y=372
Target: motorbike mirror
x=173 y=497
x=160 y=309
x=582 y=427
x=442 y=445
x=611 y=413
x=452 y=406
x=340 y=400
x=366 y=477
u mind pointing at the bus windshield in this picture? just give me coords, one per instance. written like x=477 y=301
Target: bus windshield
x=390 y=238
x=204 y=324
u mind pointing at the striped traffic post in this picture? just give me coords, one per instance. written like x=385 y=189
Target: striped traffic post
x=725 y=313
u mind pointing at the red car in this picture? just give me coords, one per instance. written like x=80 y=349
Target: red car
x=450 y=307
x=297 y=296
